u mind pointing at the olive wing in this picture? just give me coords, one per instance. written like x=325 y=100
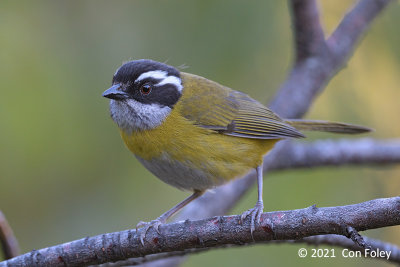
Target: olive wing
x=219 y=108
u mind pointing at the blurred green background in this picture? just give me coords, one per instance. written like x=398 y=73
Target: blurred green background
x=64 y=171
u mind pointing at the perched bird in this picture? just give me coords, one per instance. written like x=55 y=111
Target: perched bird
x=196 y=134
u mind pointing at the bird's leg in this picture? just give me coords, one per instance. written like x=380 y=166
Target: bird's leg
x=259 y=207
x=164 y=217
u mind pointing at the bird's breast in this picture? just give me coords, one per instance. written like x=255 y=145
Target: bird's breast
x=190 y=157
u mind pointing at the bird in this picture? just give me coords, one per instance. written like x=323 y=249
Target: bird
x=196 y=134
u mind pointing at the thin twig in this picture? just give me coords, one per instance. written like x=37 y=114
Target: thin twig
x=8 y=241
x=357 y=238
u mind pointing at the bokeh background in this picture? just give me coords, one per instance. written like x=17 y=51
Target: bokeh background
x=64 y=171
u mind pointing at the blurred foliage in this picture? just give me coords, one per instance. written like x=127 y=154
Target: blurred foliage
x=65 y=173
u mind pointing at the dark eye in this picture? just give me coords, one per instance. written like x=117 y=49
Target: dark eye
x=145 y=89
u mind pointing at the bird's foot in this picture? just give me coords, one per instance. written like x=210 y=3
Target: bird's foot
x=147 y=225
x=255 y=215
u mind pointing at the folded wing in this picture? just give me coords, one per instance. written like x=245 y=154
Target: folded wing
x=215 y=107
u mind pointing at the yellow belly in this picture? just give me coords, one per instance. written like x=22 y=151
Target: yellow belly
x=178 y=146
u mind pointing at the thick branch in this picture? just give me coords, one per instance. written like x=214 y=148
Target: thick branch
x=217 y=231
x=329 y=239
x=8 y=241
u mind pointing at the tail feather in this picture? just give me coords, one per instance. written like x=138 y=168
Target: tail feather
x=327 y=126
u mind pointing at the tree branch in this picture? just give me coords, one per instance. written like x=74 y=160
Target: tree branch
x=365 y=151
x=310 y=75
x=329 y=239
x=346 y=36
x=308 y=34
x=216 y=231
x=354 y=235
x=8 y=241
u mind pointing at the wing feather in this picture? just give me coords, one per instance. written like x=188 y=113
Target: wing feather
x=232 y=113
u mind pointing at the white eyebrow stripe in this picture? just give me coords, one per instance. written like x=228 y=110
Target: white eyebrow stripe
x=172 y=80
x=162 y=75
x=156 y=74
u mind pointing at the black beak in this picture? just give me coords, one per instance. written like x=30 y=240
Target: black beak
x=114 y=93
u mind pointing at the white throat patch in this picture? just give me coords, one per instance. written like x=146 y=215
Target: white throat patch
x=163 y=76
x=131 y=115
